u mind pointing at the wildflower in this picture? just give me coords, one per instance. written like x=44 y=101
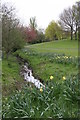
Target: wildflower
x=64 y=78
x=58 y=57
x=66 y=57
x=41 y=90
x=51 y=77
x=51 y=87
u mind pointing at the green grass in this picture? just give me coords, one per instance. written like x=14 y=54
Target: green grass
x=60 y=97
x=11 y=78
x=40 y=57
x=67 y=47
x=58 y=100
x=45 y=65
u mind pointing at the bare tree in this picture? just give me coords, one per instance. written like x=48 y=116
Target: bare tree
x=66 y=20
x=79 y=21
x=76 y=19
x=33 y=23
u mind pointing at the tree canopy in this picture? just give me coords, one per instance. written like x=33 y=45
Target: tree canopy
x=53 y=31
x=11 y=36
x=69 y=20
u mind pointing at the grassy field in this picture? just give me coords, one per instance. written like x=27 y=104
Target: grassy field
x=59 y=99
x=67 y=47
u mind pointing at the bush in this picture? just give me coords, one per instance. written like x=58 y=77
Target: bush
x=12 y=38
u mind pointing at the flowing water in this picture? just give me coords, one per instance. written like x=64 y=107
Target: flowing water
x=27 y=73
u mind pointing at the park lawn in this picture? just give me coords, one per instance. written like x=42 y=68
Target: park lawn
x=67 y=47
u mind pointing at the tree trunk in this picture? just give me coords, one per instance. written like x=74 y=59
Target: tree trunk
x=79 y=34
x=76 y=33
x=71 y=33
x=79 y=22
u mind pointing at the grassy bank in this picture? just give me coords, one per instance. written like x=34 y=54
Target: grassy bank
x=45 y=65
x=60 y=97
x=11 y=79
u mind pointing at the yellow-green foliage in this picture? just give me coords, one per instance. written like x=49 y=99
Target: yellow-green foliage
x=53 y=31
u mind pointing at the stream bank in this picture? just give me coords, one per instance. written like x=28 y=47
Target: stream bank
x=27 y=73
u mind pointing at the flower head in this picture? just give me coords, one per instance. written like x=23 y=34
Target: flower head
x=64 y=78
x=51 y=77
x=41 y=90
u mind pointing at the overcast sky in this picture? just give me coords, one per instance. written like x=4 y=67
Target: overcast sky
x=44 y=10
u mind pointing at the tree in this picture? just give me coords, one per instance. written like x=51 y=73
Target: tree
x=0 y=33
x=31 y=35
x=40 y=36
x=53 y=31
x=78 y=3
x=31 y=31
x=66 y=20
x=33 y=23
x=11 y=35
x=76 y=19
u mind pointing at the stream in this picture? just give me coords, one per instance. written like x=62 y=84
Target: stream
x=27 y=74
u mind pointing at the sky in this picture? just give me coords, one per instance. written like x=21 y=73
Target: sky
x=44 y=10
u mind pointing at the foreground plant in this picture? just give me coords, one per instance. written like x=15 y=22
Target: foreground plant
x=56 y=100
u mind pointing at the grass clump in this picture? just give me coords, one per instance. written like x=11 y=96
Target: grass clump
x=57 y=100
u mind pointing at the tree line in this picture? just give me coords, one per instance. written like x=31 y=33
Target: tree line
x=66 y=26
x=15 y=35
x=69 y=20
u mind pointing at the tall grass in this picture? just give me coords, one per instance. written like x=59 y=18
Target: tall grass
x=57 y=100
